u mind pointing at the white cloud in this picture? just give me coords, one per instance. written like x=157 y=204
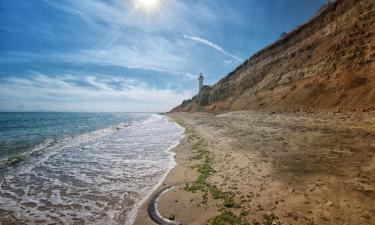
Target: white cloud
x=170 y=15
x=157 y=54
x=130 y=39
x=117 y=35
x=71 y=93
x=213 y=45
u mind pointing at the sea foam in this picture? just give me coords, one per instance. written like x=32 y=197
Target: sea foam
x=101 y=177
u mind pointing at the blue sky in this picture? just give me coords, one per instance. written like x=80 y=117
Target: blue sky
x=126 y=55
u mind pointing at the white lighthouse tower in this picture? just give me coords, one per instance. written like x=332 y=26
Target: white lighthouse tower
x=200 y=78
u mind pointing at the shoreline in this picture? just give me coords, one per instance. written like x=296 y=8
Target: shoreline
x=101 y=166
x=133 y=214
x=177 y=177
x=271 y=168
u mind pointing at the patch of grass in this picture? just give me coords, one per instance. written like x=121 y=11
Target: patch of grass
x=227 y=197
x=197 y=157
x=215 y=192
x=201 y=152
x=244 y=213
x=192 y=135
x=228 y=218
x=271 y=219
x=229 y=201
x=194 y=187
x=204 y=170
x=179 y=122
x=198 y=145
x=190 y=132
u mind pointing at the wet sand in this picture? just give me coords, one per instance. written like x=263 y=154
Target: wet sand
x=276 y=168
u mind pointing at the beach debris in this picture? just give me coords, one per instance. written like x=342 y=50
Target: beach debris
x=329 y=203
x=154 y=213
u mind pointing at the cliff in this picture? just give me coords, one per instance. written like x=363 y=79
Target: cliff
x=327 y=63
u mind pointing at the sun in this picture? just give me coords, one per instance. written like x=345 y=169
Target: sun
x=146 y=4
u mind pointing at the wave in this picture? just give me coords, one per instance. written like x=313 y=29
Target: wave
x=133 y=213
x=13 y=160
x=100 y=177
x=52 y=146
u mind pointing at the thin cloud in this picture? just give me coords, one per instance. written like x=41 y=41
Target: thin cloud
x=113 y=39
x=97 y=91
x=213 y=45
x=150 y=55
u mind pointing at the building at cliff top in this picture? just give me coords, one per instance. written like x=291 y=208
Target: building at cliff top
x=200 y=78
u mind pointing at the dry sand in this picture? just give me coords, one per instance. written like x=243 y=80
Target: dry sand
x=303 y=168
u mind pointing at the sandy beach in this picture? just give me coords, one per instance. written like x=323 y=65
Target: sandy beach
x=187 y=112
x=251 y=167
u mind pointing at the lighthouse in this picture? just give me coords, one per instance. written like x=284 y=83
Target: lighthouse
x=200 y=78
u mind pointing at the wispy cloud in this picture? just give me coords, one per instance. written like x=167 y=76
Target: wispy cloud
x=171 y=15
x=214 y=46
x=157 y=54
x=155 y=63
x=120 y=93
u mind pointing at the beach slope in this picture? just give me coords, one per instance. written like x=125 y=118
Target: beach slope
x=251 y=167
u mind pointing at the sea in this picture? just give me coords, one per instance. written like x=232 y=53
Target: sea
x=82 y=168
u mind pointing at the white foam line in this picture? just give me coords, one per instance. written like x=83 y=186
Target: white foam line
x=68 y=142
x=133 y=213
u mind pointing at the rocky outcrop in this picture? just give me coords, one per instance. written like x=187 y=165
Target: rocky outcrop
x=327 y=63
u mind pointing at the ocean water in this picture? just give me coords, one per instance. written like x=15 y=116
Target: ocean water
x=81 y=168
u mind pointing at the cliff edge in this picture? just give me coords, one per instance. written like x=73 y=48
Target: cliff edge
x=327 y=63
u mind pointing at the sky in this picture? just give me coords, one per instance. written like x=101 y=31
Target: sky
x=130 y=55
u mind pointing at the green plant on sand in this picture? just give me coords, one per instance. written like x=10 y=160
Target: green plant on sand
x=204 y=169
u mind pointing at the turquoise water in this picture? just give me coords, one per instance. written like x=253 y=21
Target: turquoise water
x=81 y=168
x=21 y=132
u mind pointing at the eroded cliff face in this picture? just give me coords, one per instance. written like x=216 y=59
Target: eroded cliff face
x=325 y=64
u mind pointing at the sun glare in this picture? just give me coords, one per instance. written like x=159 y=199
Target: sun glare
x=147 y=4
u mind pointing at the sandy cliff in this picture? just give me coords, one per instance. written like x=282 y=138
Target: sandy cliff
x=327 y=63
